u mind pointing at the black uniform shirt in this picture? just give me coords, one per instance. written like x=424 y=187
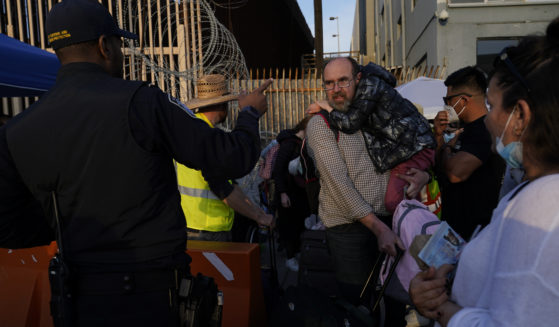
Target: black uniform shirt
x=158 y=124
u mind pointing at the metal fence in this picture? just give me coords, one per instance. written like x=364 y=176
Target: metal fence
x=290 y=94
x=171 y=37
x=288 y=97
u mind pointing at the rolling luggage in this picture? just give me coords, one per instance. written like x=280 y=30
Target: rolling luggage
x=316 y=269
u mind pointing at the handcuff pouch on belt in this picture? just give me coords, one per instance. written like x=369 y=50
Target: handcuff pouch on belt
x=200 y=302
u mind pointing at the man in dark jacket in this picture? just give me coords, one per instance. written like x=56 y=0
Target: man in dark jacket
x=104 y=147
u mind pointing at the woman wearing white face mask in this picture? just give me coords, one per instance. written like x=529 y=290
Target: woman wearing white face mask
x=507 y=275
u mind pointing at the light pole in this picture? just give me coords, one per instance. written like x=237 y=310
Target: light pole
x=337 y=30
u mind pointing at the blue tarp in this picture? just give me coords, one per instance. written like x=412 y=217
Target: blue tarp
x=25 y=70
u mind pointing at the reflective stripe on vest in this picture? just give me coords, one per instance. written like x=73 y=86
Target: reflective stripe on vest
x=197 y=193
x=203 y=210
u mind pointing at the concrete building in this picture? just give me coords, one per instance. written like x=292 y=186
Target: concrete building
x=451 y=33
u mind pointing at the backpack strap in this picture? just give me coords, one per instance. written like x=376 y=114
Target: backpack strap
x=429 y=224
x=402 y=217
x=325 y=115
x=409 y=207
x=308 y=165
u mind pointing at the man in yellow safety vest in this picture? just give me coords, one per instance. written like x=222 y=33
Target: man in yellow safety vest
x=209 y=205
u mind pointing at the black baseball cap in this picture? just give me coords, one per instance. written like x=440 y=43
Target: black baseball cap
x=75 y=21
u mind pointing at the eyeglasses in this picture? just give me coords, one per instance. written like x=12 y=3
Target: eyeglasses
x=504 y=57
x=330 y=85
x=448 y=98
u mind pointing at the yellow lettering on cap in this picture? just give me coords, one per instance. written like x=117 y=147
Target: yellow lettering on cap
x=58 y=36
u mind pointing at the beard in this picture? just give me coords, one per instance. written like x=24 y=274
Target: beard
x=343 y=107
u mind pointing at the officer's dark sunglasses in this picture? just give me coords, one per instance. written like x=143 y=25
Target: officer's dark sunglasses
x=504 y=57
x=448 y=98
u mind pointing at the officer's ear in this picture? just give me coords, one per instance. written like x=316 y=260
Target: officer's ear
x=104 y=46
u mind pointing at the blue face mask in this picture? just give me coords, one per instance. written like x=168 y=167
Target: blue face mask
x=512 y=152
x=448 y=136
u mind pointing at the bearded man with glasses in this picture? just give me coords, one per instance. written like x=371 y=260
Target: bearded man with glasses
x=469 y=173
x=353 y=182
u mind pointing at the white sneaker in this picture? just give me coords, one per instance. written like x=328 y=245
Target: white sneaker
x=292 y=264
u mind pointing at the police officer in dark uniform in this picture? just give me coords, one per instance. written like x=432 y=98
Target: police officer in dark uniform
x=104 y=147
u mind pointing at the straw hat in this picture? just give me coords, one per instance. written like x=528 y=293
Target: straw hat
x=212 y=89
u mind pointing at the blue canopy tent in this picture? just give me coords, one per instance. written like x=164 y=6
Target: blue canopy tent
x=25 y=70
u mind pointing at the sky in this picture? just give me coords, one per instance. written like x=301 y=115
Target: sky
x=343 y=9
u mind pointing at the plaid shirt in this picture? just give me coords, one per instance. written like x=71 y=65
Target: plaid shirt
x=350 y=187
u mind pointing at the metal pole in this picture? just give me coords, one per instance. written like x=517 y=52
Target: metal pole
x=338 y=31
x=318 y=45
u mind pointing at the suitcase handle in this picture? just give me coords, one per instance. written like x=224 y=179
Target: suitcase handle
x=375 y=272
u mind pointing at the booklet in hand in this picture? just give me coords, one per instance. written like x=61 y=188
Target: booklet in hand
x=443 y=247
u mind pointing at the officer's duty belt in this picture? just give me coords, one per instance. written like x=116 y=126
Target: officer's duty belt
x=126 y=283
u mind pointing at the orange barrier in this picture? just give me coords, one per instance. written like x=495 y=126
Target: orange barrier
x=25 y=289
x=243 y=299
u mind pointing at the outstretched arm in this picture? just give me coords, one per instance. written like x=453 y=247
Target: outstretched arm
x=239 y=202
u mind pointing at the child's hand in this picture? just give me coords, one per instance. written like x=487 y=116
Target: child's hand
x=417 y=179
x=317 y=106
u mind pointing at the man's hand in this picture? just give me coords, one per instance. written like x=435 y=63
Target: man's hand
x=440 y=123
x=239 y=202
x=387 y=240
x=256 y=98
x=452 y=143
x=285 y=201
x=266 y=219
x=417 y=179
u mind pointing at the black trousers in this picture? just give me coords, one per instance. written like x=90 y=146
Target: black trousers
x=291 y=221
x=354 y=249
x=138 y=295
x=138 y=310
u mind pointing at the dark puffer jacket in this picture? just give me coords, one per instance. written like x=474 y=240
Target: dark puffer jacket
x=393 y=128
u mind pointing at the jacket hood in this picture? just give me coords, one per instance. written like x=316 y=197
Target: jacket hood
x=286 y=134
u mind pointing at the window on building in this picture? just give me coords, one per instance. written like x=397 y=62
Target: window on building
x=465 y=1
x=488 y=49
x=488 y=1
x=399 y=28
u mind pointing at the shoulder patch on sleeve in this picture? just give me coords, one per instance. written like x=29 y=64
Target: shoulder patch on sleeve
x=181 y=105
